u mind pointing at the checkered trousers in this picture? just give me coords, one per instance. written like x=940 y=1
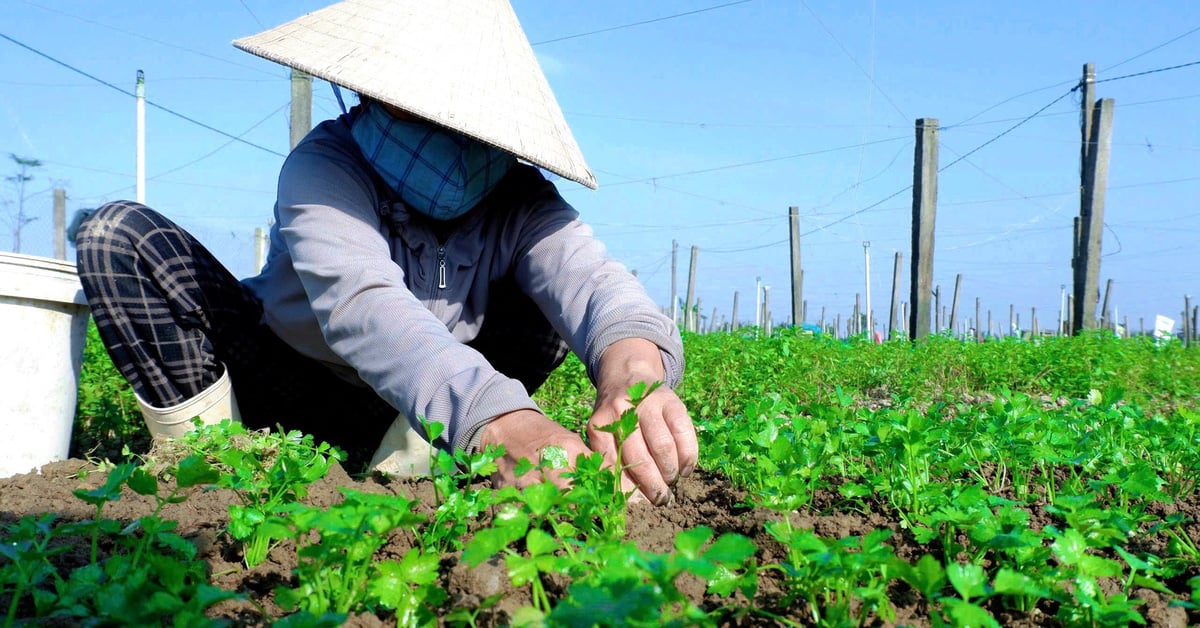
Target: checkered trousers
x=172 y=318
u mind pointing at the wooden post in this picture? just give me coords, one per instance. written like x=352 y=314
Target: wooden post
x=1095 y=181
x=1195 y=318
x=989 y=321
x=978 y=333
x=60 y=223
x=733 y=325
x=937 y=310
x=1033 y=324
x=803 y=304
x=1105 y=313
x=1188 y=332
x=894 y=311
x=822 y=318
x=904 y=313
x=688 y=315
x=954 y=301
x=1125 y=326
x=857 y=314
x=674 y=296
x=1012 y=320
x=301 y=120
x=1141 y=326
x=712 y=322
x=1071 y=308
x=1087 y=100
x=924 y=210
x=797 y=274
x=837 y=326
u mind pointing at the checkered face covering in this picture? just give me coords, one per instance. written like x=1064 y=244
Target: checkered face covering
x=437 y=172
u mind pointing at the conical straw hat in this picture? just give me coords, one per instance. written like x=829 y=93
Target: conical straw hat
x=463 y=64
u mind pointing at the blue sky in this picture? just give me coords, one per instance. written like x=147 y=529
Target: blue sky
x=702 y=128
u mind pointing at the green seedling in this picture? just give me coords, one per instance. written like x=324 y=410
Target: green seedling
x=267 y=471
x=149 y=574
x=338 y=572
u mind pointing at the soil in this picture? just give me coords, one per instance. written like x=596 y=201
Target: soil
x=703 y=499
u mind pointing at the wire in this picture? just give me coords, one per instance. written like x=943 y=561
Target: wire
x=247 y=8
x=642 y=23
x=148 y=102
x=1008 y=130
x=1154 y=71
x=1142 y=54
x=857 y=212
x=759 y=161
x=149 y=39
x=218 y=149
x=855 y=61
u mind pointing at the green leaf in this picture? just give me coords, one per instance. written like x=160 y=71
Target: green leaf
x=110 y=491
x=968 y=615
x=969 y=580
x=731 y=549
x=143 y=482
x=528 y=617
x=538 y=542
x=195 y=470
x=541 y=498
x=689 y=542
x=489 y=542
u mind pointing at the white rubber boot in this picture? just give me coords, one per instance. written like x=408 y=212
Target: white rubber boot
x=403 y=453
x=215 y=404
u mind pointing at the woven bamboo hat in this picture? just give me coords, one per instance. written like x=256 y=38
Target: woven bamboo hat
x=463 y=64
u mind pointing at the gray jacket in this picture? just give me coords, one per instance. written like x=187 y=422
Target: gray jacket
x=371 y=300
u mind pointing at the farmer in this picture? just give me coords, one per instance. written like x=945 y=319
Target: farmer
x=420 y=267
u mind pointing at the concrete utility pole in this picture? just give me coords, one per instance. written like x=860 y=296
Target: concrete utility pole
x=1062 y=309
x=925 y=158
x=689 y=318
x=766 y=307
x=140 y=93
x=260 y=248
x=301 y=120
x=797 y=271
x=674 y=296
x=867 y=273
x=1095 y=182
x=758 y=319
x=60 y=223
x=733 y=325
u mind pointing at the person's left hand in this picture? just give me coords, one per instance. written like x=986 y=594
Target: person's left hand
x=663 y=448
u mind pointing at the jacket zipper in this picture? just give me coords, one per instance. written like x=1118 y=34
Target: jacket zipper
x=441 y=267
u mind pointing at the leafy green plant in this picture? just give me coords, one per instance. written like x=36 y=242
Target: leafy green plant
x=267 y=471
x=149 y=574
x=339 y=572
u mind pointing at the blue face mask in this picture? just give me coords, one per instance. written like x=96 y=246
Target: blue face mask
x=436 y=171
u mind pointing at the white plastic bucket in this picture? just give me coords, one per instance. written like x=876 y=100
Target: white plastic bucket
x=43 y=327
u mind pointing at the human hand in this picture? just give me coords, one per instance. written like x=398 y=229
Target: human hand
x=525 y=434
x=663 y=448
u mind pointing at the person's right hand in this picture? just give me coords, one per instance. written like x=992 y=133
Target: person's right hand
x=524 y=434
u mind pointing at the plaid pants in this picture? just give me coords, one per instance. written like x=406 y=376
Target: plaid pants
x=172 y=317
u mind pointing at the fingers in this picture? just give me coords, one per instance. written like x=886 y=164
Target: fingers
x=526 y=434
x=662 y=449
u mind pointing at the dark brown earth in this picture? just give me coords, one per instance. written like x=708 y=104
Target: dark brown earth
x=704 y=499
